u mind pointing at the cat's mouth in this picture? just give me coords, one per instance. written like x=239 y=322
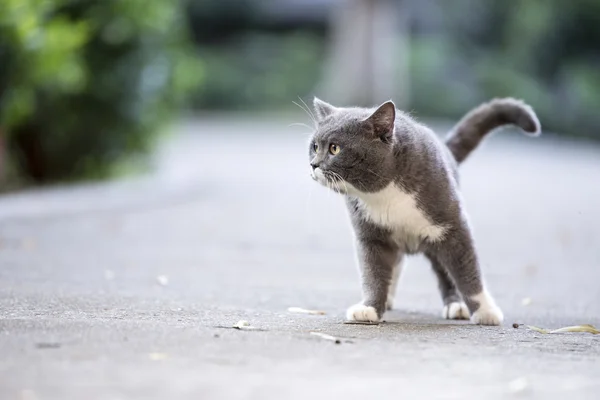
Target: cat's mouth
x=330 y=180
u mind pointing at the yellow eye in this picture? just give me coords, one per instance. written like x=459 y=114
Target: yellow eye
x=334 y=149
x=315 y=147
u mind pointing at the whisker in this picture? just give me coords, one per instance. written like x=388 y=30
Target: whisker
x=374 y=173
x=300 y=124
x=308 y=108
x=360 y=183
x=332 y=177
x=338 y=181
x=342 y=181
x=335 y=183
x=307 y=113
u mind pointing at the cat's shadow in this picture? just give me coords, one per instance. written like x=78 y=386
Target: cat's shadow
x=410 y=321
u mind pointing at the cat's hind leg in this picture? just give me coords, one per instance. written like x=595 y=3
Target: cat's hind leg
x=456 y=253
x=396 y=272
x=454 y=306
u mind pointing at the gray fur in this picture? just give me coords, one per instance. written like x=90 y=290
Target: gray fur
x=474 y=126
x=383 y=145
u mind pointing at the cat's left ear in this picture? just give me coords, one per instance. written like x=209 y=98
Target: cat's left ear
x=383 y=121
x=322 y=109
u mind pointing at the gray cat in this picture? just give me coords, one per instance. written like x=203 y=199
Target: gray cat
x=402 y=191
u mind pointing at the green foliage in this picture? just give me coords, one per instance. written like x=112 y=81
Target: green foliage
x=260 y=71
x=85 y=83
x=544 y=51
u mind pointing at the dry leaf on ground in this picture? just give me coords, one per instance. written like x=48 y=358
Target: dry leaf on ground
x=540 y=330
x=327 y=337
x=300 y=310
x=349 y=322
x=577 y=328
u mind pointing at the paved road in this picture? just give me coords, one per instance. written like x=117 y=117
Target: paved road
x=234 y=229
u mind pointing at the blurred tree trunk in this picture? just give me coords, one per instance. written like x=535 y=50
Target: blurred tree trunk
x=367 y=62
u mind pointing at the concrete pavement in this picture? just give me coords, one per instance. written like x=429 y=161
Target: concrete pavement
x=123 y=290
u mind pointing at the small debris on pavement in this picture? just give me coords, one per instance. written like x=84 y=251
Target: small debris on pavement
x=360 y=323
x=242 y=324
x=526 y=301
x=300 y=310
x=327 y=337
x=245 y=326
x=518 y=385
x=157 y=356
x=47 y=345
x=577 y=328
x=109 y=275
x=162 y=280
x=516 y=326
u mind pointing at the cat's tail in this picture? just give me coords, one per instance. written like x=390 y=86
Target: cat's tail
x=480 y=121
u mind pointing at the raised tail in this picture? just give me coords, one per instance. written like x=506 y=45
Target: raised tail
x=474 y=126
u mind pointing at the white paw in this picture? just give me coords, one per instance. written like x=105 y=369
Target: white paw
x=488 y=312
x=488 y=316
x=360 y=312
x=456 y=310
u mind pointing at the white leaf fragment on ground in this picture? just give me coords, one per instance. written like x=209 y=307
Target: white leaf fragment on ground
x=242 y=324
x=162 y=280
x=300 y=310
x=526 y=301
x=326 y=337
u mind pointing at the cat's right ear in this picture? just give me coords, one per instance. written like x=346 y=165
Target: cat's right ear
x=383 y=120
x=322 y=109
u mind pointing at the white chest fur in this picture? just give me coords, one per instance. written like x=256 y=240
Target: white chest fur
x=397 y=210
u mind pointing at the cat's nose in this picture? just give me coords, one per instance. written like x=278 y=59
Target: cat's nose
x=314 y=165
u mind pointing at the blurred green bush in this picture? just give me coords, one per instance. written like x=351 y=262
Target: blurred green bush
x=85 y=83
x=461 y=52
x=254 y=61
x=259 y=71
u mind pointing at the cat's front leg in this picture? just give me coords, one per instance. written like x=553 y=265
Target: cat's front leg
x=396 y=272
x=377 y=259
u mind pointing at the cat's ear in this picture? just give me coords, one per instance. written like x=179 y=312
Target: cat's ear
x=382 y=121
x=322 y=109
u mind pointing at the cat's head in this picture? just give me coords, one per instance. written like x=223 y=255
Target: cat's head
x=351 y=150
